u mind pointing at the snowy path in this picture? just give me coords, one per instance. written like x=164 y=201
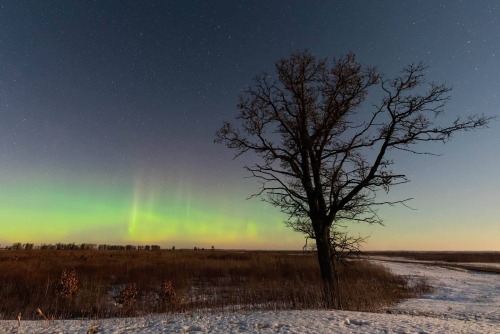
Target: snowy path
x=459 y=294
x=463 y=302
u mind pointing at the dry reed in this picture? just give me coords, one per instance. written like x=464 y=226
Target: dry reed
x=118 y=283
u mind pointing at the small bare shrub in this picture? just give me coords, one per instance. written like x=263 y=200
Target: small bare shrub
x=168 y=298
x=128 y=295
x=67 y=286
x=93 y=329
x=420 y=286
x=167 y=292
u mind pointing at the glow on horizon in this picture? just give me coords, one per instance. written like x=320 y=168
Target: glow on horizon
x=181 y=211
x=147 y=211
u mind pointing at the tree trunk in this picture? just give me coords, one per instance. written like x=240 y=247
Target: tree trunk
x=329 y=274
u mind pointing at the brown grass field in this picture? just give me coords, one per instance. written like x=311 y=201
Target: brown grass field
x=107 y=283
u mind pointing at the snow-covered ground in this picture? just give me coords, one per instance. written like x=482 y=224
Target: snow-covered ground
x=463 y=302
x=458 y=293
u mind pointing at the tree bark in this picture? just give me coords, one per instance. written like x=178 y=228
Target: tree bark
x=329 y=274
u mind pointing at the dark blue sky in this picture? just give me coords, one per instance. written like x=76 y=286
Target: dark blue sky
x=112 y=89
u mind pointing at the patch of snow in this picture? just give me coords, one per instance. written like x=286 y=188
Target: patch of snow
x=458 y=294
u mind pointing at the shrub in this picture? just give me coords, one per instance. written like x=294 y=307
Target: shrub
x=128 y=295
x=167 y=292
x=67 y=286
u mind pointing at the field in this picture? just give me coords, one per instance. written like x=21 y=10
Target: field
x=452 y=257
x=460 y=301
x=110 y=283
x=477 y=261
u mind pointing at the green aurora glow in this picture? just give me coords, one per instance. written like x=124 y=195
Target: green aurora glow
x=143 y=211
x=185 y=212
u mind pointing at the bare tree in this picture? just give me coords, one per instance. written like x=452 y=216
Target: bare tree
x=324 y=155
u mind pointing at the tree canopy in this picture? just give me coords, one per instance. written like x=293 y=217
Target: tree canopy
x=324 y=152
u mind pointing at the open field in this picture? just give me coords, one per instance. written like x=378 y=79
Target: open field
x=466 y=257
x=100 y=284
x=488 y=262
x=461 y=302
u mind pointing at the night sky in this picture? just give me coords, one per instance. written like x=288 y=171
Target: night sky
x=108 y=113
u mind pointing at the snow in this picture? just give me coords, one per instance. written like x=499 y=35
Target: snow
x=463 y=302
x=459 y=294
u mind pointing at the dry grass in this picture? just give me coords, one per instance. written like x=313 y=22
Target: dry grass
x=96 y=284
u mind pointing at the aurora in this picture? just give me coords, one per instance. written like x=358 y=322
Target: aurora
x=143 y=211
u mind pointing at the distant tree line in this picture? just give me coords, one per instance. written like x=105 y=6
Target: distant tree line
x=85 y=246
